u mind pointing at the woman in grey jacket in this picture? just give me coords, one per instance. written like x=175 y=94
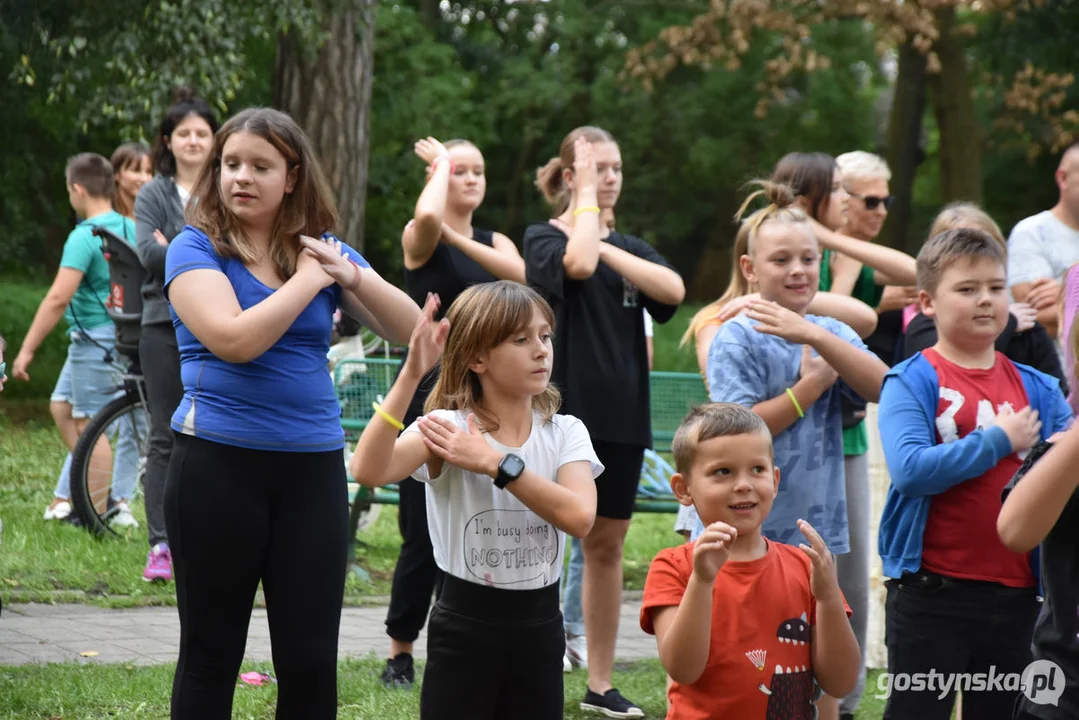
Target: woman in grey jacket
x=182 y=147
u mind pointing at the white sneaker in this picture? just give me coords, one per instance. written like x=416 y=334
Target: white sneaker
x=577 y=651
x=567 y=666
x=123 y=517
x=59 y=511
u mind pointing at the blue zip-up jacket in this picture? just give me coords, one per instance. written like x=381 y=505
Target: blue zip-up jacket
x=921 y=467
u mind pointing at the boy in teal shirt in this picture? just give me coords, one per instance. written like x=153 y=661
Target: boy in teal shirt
x=78 y=294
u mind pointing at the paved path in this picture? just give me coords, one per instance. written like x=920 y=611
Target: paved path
x=59 y=633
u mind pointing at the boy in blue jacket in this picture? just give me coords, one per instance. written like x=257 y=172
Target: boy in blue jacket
x=956 y=421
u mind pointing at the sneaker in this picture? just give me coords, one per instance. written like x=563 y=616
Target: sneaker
x=611 y=704
x=399 y=672
x=158 y=564
x=567 y=666
x=577 y=651
x=123 y=518
x=58 y=511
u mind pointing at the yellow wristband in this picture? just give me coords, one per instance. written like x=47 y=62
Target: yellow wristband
x=797 y=407
x=394 y=422
x=586 y=208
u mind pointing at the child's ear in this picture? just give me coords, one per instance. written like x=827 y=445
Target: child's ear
x=745 y=264
x=925 y=303
x=479 y=364
x=680 y=488
x=775 y=483
x=290 y=180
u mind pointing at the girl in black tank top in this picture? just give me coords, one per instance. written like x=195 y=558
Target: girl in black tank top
x=444 y=254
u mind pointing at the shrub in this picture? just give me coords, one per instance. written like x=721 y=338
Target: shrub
x=20 y=299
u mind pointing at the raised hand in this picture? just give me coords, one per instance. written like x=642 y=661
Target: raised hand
x=335 y=263
x=711 y=550
x=822 y=575
x=817 y=369
x=428 y=338
x=585 y=175
x=1025 y=316
x=1023 y=428
x=774 y=319
x=467 y=449
x=428 y=149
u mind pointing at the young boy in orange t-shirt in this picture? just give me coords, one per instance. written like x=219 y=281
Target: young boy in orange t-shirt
x=744 y=625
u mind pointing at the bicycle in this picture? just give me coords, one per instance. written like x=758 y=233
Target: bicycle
x=113 y=446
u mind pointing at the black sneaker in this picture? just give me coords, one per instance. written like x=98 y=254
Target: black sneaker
x=611 y=704
x=399 y=672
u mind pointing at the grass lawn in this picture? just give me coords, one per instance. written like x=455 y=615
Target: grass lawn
x=122 y=691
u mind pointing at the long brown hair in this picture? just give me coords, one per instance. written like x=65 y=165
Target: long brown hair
x=127 y=155
x=549 y=177
x=482 y=317
x=780 y=208
x=308 y=210
x=809 y=175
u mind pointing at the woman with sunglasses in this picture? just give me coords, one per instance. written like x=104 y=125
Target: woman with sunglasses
x=856 y=267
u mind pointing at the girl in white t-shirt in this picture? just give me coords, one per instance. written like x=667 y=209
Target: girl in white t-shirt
x=506 y=479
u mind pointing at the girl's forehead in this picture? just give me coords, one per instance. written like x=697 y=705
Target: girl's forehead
x=466 y=155
x=606 y=152
x=795 y=236
x=243 y=142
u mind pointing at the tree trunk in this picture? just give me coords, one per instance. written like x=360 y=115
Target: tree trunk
x=329 y=95
x=904 y=152
x=960 y=136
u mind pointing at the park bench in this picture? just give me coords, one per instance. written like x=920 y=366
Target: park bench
x=360 y=382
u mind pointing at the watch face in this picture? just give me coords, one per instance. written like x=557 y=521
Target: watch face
x=512 y=465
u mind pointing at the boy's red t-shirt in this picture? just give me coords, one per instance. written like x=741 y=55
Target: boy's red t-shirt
x=759 y=661
x=960 y=538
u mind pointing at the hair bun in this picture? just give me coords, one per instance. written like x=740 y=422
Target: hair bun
x=776 y=194
x=184 y=94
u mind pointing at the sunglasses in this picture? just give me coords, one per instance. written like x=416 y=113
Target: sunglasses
x=872 y=201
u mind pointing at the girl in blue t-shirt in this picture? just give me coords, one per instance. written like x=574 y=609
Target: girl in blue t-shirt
x=255 y=489
x=784 y=364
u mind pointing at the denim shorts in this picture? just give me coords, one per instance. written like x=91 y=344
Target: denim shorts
x=86 y=381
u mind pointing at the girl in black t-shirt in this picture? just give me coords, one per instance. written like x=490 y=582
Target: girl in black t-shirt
x=444 y=254
x=598 y=281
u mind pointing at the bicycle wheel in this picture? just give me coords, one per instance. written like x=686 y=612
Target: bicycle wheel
x=108 y=461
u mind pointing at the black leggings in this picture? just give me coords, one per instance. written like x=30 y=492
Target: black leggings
x=238 y=516
x=493 y=653
x=160 y=360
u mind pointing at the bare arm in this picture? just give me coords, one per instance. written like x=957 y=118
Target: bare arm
x=656 y=281
x=704 y=343
x=51 y=308
x=1044 y=296
x=206 y=303
x=384 y=308
x=421 y=236
x=779 y=412
x=684 y=633
x=891 y=266
x=501 y=260
x=861 y=318
x=862 y=370
x=845 y=272
x=835 y=651
x=1035 y=504
x=381 y=457
x=582 y=250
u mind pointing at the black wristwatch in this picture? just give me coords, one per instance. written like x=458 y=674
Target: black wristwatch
x=509 y=470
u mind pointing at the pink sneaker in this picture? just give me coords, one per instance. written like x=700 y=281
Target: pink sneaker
x=158 y=564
